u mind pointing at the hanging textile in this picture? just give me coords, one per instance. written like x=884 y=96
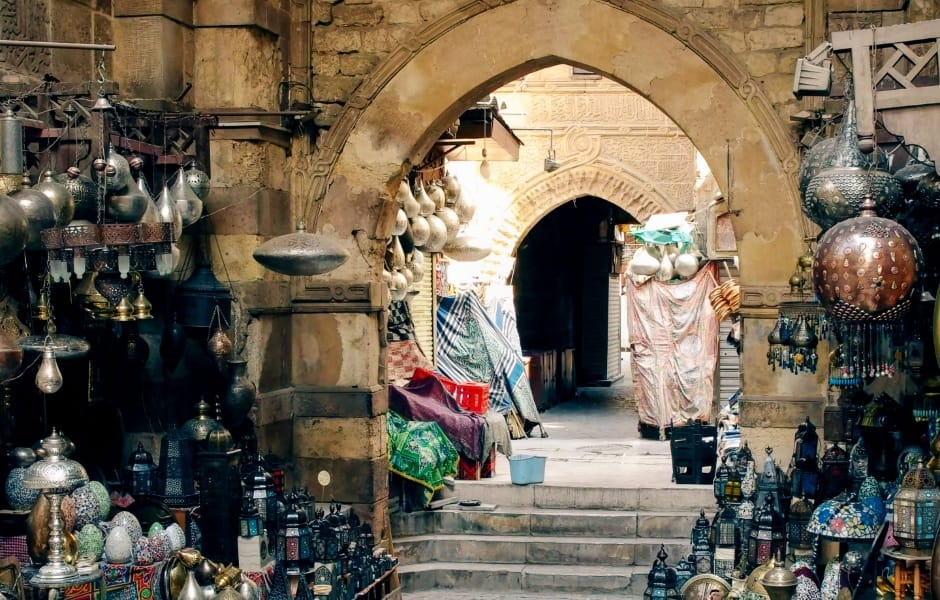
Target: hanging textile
x=472 y=348
x=674 y=341
x=403 y=354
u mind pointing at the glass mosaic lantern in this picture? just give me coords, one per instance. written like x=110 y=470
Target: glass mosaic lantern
x=726 y=539
x=685 y=569
x=916 y=507
x=140 y=472
x=835 y=472
x=661 y=581
x=839 y=522
x=804 y=471
x=722 y=473
x=772 y=483
x=703 y=556
x=768 y=534
x=701 y=529
x=275 y=466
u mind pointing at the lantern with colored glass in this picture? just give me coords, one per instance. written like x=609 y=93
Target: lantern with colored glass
x=701 y=529
x=275 y=466
x=685 y=570
x=772 y=483
x=916 y=509
x=139 y=474
x=805 y=468
x=703 y=555
x=722 y=473
x=835 y=473
x=661 y=581
x=746 y=518
x=799 y=539
x=768 y=534
x=249 y=521
x=294 y=542
x=259 y=487
x=726 y=539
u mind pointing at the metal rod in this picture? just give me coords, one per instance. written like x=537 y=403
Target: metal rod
x=63 y=45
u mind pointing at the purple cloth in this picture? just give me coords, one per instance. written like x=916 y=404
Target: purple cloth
x=427 y=400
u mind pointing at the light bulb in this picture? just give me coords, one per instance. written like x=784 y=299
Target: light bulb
x=124 y=264
x=48 y=377
x=78 y=265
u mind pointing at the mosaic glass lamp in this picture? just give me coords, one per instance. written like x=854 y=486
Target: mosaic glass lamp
x=799 y=539
x=768 y=535
x=916 y=509
x=726 y=539
x=840 y=522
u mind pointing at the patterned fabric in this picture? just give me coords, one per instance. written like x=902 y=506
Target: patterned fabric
x=420 y=452
x=123 y=582
x=400 y=324
x=472 y=348
x=402 y=358
x=15 y=545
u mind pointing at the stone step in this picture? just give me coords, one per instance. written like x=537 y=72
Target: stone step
x=550 y=580
x=521 y=520
x=679 y=498
x=536 y=550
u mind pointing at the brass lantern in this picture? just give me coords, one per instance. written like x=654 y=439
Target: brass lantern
x=767 y=536
x=799 y=538
x=916 y=508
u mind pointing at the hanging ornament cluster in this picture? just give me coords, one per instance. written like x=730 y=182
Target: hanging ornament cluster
x=794 y=337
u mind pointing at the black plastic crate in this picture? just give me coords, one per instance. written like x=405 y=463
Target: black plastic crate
x=694 y=450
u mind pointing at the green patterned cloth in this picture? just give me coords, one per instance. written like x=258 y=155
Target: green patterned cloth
x=419 y=451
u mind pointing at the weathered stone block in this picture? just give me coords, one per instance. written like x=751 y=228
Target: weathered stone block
x=270 y=336
x=335 y=349
x=775 y=38
x=234 y=251
x=761 y=63
x=404 y=13
x=322 y=12
x=362 y=481
x=326 y=63
x=735 y=40
x=336 y=40
x=276 y=437
x=249 y=210
x=228 y=54
x=242 y=13
x=769 y=411
x=177 y=10
x=357 y=64
x=72 y=23
x=321 y=437
x=357 y=14
x=272 y=407
x=270 y=295
x=379 y=40
x=334 y=89
x=785 y=15
x=340 y=402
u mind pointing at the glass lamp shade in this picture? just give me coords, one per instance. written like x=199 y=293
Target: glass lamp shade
x=725 y=531
x=275 y=466
x=844 y=518
x=65 y=346
x=48 y=376
x=301 y=253
x=55 y=471
x=916 y=510
x=199 y=427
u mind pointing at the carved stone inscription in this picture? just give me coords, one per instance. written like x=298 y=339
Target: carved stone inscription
x=24 y=21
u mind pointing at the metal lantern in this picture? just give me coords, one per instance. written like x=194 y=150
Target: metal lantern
x=703 y=556
x=249 y=521
x=176 y=485
x=772 y=483
x=916 y=510
x=779 y=581
x=685 y=570
x=260 y=491
x=701 y=529
x=661 y=581
x=275 y=466
x=295 y=542
x=799 y=538
x=804 y=474
x=199 y=427
x=835 y=472
x=768 y=534
x=745 y=518
x=140 y=472
x=56 y=475
x=726 y=539
x=733 y=493
x=722 y=473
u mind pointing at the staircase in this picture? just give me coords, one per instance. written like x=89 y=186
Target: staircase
x=547 y=539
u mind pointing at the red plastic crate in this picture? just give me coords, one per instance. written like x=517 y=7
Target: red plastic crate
x=419 y=374
x=474 y=397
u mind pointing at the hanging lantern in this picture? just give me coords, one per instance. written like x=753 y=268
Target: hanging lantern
x=726 y=539
x=799 y=539
x=772 y=483
x=139 y=474
x=301 y=253
x=661 y=581
x=916 y=510
x=201 y=295
x=865 y=268
x=768 y=535
x=835 y=472
x=836 y=192
x=199 y=427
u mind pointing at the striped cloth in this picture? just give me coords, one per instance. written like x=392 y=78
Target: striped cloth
x=471 y=347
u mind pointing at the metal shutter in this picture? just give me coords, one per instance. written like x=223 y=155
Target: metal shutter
x=424 y=309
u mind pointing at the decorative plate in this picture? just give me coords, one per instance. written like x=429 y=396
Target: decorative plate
x=705 y=587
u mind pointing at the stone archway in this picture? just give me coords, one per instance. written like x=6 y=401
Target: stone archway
x=395 y=116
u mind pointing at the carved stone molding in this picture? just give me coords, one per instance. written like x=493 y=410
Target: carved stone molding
x=310 y=401
x=766 y=296
x=780 y=411
x=313 y=296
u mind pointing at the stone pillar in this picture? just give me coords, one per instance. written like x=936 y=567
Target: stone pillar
x=775 y=402
x=153 y=54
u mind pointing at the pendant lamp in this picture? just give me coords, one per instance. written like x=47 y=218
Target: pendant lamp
x=301 y=253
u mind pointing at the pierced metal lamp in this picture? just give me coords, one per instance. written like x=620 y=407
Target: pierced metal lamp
x=56 y=475
x=301 y=253
x=779 y=581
